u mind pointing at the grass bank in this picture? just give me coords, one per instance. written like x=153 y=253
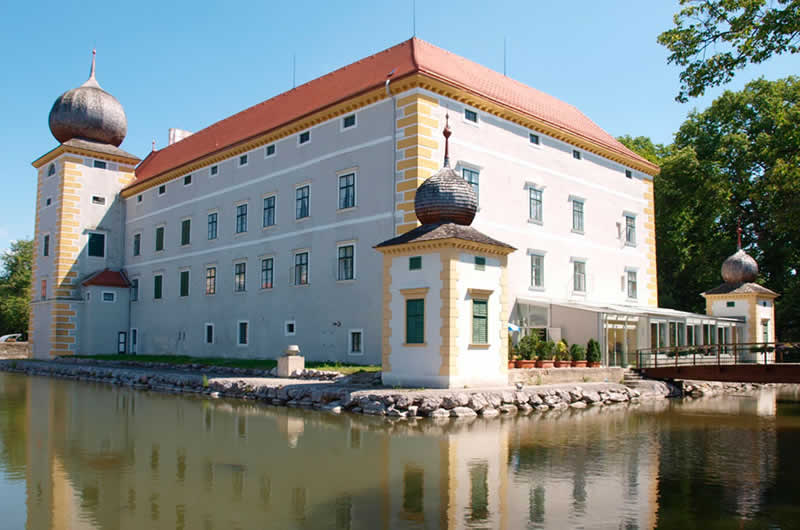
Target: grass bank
x=253 y=364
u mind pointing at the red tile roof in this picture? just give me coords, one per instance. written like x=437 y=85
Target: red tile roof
x=107 y=278
x=406 y=58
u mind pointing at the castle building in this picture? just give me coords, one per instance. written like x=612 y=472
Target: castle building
x=259 y=230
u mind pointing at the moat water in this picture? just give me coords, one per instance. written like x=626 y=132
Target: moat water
x=82 y=456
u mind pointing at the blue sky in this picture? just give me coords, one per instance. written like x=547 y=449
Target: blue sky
x=188 y=64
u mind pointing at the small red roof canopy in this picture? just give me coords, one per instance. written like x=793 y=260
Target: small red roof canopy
x=108 y=278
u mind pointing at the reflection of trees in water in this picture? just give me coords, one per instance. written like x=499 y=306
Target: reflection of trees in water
x=13 y=424
x=479 y=491
x=536 y=505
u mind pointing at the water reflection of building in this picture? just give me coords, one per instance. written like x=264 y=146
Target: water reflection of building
x=103 y=457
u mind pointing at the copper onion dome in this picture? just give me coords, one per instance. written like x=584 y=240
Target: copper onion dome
x=88 y=112
x=445 y=197
x=740 y=267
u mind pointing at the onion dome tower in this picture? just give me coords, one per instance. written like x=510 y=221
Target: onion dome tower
x=740 y=267
x=89 y=113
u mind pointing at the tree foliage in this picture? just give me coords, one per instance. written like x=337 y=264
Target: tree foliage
x=15 y=287
x=737 y=161
x=712 y=39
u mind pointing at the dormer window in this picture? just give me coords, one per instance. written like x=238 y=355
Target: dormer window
x=96 y=199
x=99 y=164
x=51 y=170
x=304 y=137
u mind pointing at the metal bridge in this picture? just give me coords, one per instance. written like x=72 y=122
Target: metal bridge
x=763 y=362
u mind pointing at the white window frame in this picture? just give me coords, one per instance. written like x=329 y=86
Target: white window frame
x=628 y=173
x=538 y=144
x=625 y=216
x=188 y=282
x=133 y=340
x=299 y=136
x=340 y=244
x=219 y=222
x=189 y=244
x=239 y=344
x=213 y=333
x=542 y=254
x=579 y=153
x=95 y=161
x=54 y=167
x=205 y=278
x=302 y=185
x=105 y=244
x=138 y=289
x=536 y=187
x=133 y=244
x=308 y=267
x=160 y=193
x=48 y=202
x=163 y=285
x=191 y=179
x=263 y=198
x=47 y=247
x=286 y=331
x=635 y=272
x=239 y=159
x=98 y=200
x=236 y=218
x=350 y=342
x=235 y=263
x=477 y=121
x=261 y=271
x=342 y=128
x=274 y=146
x=163 y=239
x=103 y=297
x=213 y=171
x=573 y=261
x=139 y=198
x=572 y=200
x=461 y=165
x=339 y=174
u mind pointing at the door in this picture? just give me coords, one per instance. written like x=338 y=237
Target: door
x=122 y=342
x=134 y=340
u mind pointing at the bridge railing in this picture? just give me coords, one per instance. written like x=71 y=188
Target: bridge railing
x=719 y=354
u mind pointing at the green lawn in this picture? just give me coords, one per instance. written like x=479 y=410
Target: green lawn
x=256 y=364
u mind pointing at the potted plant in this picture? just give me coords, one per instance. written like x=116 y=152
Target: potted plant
x=578 y=354
x=593 y=353
x=527 y=351
x=562 y=354
x=513 y=353
x=544 y=357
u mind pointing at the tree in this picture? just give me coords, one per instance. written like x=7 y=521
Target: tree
x=737 y=161
x=15 y=287
x=714 y=38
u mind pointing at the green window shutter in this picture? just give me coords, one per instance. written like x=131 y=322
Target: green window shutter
x=157 y=287
x=480 y=333
x=186 y=229
x=415 y=321
x=160 y=238
x=415 y=263
x=480 y=263
x=184 y=283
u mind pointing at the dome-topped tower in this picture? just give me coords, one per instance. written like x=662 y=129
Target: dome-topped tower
x=90 y=113
x=445 y=197
x=740 y=267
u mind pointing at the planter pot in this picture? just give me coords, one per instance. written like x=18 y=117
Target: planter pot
x=579 y=364
x=593 y=365
x=511 y=364
x=561 y=364
x=524 y=364
x=544 y=364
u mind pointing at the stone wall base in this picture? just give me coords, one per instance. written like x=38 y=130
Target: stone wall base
x=550 y=376
x=15 y=350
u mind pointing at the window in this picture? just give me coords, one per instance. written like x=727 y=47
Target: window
x=480 y=263
x=347 y=191
x=537 y=270
x=349 y=121
x=51 y=170
x=162 y=189
x=534 y=138
x=765 y=330
x=301 y=268
x=186 y=231
x=213 y=170
x=241 y=218
x=43 y=293
x=630 y=230
x=159 y=238
x=480 y=333
x=415 y=321
x=628 y=173
x=471 y=115
x=730 y=304
x=239 y=277
x=48 y=201
x=158 y=285
x=535 y=205
x=269 y=150
x=346 y=269
x=97 y=245
x=99 y=164
x=576 y=154
x=415 y=263
x=267 y=273
x=137 y=244
x=243 y=160
x=184 y=283
x=302 y=198
x=355 y=347
x=242 y=333
x=46 y=245
x=108 y=296
x=187 y=180
x=631 y=284
x=269 y=211
x=134 y=289
x=289 y=328
x=139 y=198
x=96 y=199
x=212 y=225
x=209 y=333
x=211 y=280
x=304 y=137
x=577 y=216
x=579 y=276
x=472 y=176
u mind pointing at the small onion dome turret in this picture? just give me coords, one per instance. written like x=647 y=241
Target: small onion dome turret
x=445 y=197
x=740 y=268
x=88 y=112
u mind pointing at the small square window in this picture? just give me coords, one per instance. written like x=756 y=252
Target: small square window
x=415 y=263
x=48 y=202
x=471 y=115
x=99 y=164
x=270 y=150
x=209 y=333
x=162 y=189
x=304 y=137
x=139 y=198
x=629 y=173
x=576 y=154
x=349 y=121
x=108 y=297
x=187 y=180
x=242 y=334
x=243 y=160
x=98 y=200
x=290 y=328
x=534 y=138
x=184 y=284
x=97 y=245
x=480 y=263
x=730 y=304
x=356 y=347
x=51 y=170
x=213 y=170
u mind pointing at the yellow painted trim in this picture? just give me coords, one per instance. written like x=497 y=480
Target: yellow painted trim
x=448 y=351
x=483 y=294
x=415 y=292
x=418 y=247
x=61 y=149
x=505 y=312
x=386 y=350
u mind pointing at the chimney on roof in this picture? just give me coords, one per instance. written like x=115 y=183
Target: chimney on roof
x=176 y=135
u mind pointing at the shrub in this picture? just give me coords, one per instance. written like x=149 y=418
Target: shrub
x=593 y=351
x=562 y=350
x=577 y=352
x=545 y=350
x=528 y=346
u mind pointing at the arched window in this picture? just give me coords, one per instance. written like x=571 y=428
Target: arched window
x=51 y=170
